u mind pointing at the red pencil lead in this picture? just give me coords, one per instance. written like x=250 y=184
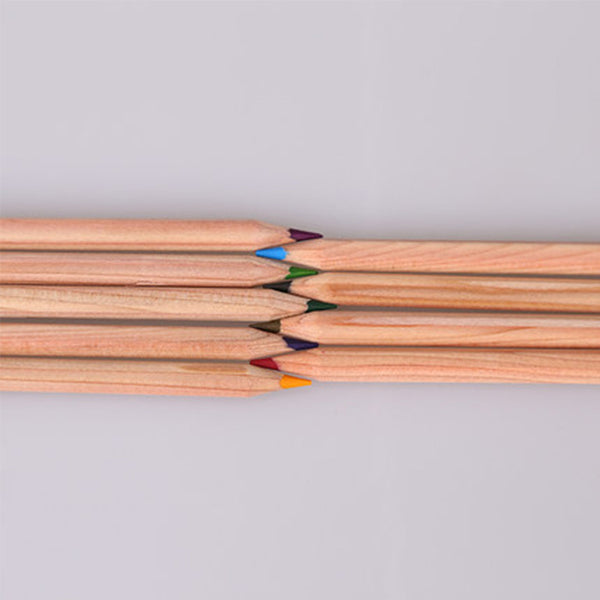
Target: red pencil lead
x=266 y=363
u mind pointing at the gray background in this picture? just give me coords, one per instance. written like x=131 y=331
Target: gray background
x=460 y=120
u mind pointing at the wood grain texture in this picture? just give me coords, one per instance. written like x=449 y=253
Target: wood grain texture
x=466 y=365
x=139 y=234
x=448 y=257
x=172 y=378
x=401 y=328
x=110 y=302
x=138 y=341
x=452 y=291
x=111 y=268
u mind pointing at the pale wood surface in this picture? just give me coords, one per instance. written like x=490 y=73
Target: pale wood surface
x=108 y=302
x=172 y=378
x=139 y=234
x=466 y=365
x=138 y=341
x=113 y=268
x=448 y=257
x=389 y=328
x=452 y=291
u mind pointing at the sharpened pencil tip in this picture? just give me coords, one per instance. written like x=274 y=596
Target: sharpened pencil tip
x=269 y=326
x=265 y=363
x=280 y=286
x=300 y=236
x=296 y=344
x=314 y=305
x=296 y=272
x=278 y=253
x=288 y=381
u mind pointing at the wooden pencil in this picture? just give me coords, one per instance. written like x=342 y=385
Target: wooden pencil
x=164 y=303
x=144 y=234
x=113 y=268
x=143 y=341
x=443 y=257
x=464 y=365
x=172 y=378
x=404 y=328
x=449 y=291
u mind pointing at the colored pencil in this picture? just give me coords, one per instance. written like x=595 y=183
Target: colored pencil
x=143 y=341
x=171 y=378
x=113 y=268
x=403 y=328
x=112 y=302
x=443 y=257
x=465 y=365
x=144 y=234
x=449 y=291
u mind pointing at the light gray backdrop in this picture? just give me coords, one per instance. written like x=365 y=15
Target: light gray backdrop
x=415 y=120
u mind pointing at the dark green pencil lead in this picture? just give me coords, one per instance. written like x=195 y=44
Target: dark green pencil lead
x=269 y=326
x=295 y=272
x=314 y=305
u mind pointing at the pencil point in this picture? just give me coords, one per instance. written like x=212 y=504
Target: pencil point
x=280 y=286
x=296 y=272
x=265 y=363
x=314 y=305
x=268 y=326
x=288 y=381
x=299 y=235
x=278 y=253
x=296 y=344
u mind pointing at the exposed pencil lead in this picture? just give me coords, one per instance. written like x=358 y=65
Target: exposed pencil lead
x=280 y=286
x=296 y=272
x=288 y=381
x=269 y=326
x=265 y=363
x=300 y=236
x=296 y=344
x=314 y=305
x=278 y=253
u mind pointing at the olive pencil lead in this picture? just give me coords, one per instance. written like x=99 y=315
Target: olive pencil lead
x=280 y=286
x=269 y=326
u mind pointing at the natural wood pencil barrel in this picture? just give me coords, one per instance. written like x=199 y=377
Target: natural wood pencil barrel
x=139 y=377
x=142 y=234
x=112 y=268
x=110 y=302
x=452 y=291
x=465 y=365
x=401 y=328
x=448 y=257
x=140 y=341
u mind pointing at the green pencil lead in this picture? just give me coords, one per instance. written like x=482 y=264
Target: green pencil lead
x=269 y=326
x=314 y=305
x=295 y=272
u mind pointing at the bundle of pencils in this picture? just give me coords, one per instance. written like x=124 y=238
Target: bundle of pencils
x=226 y=307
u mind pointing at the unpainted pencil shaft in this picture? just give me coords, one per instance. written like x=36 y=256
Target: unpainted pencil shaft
x=402 y=328
x=448 y=257
x=138 y=341
x=112 y=268
x=172 y=378
x=110 y=302
x=139 y=234
x=453 y=291
x=465 y=365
